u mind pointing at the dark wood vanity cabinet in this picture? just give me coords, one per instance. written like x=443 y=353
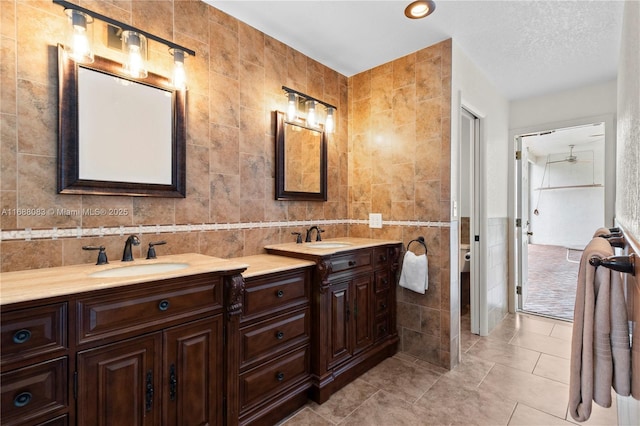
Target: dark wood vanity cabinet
x=353 y=313
x=152 y=353
x=35 y=364
x=275 y=351
x=168 y=370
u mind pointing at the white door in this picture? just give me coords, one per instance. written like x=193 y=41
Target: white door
x=522 y=221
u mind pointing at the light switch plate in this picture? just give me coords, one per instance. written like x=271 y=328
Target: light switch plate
x=375 y=220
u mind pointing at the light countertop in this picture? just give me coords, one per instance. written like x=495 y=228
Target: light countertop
x=32 y=284
x=350 y=244
x=262 y=264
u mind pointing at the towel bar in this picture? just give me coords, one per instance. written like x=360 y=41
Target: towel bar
x=615 y=239
x=626 y=264
x=419 y=240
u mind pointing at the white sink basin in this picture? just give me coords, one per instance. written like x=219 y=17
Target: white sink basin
x=134 y=270
x=328 y=245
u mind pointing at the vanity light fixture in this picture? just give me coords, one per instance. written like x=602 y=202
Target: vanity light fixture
x=420 y=9
x=315 y=110
x=80 y=33
x=134 y=43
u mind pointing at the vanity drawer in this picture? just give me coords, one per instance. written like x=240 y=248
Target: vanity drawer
x=268 y=337
x=382 y=327
x=123 y=313
x=30 y=332
x=382 y=302
x=35 y=391
x=357 y=259
x=275 y=292
x=382 y=280
x=263 y=381
x=381 y=257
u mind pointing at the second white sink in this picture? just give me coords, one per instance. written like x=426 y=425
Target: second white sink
x=134 y=270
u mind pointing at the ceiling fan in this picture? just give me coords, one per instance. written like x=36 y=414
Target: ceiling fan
x=571 y=158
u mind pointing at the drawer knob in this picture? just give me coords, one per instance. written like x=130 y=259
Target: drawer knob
x=385 y=281
x=352 y=263
x=21 y=336
x=383 y=305
x=279 y=335
x=163 y=305
x=383 y=258
x=280 y=293
x=280 y=376
x=22 y=399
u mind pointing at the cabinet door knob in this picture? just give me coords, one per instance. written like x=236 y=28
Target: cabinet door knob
x=279 y=335
x=21 y=336
x=383 y=258
x=22 y=399
x=280 y=376
x=280 y=293
x=163 y=305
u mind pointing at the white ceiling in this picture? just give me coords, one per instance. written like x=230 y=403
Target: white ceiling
x=559 y=141
x=525 y=48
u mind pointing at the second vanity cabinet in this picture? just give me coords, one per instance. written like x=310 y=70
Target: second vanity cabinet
x=353 y=310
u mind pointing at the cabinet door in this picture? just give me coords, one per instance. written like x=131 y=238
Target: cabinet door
x=339 y=320
x=362 y=322
x=120 y=384
x=193 y=373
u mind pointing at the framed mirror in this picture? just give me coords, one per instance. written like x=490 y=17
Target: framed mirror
x=301 y=161
x=117 y=135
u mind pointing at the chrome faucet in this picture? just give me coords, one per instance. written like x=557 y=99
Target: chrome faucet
x=127 y=256
x=318 y=231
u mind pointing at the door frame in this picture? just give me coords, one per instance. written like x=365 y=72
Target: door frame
x=609 y=183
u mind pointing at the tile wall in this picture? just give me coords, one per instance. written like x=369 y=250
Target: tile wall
x=390 y=153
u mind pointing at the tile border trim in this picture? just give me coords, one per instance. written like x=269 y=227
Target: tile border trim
x=29 y=234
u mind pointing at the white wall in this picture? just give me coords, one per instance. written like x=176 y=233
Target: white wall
x=471 y=89
x=567 y=216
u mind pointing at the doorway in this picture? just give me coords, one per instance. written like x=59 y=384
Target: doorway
x=469 y=211
x=560 y=195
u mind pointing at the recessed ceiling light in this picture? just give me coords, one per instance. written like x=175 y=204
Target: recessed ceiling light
x=420 y=9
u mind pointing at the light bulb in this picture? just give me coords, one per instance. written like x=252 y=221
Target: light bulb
x=179 y=72
x=311 y=114
x=135 y=47
x=79 y=47
x=291 y=109
x=329 y=124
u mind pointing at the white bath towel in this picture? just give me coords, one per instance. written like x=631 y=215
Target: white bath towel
x=415 y=272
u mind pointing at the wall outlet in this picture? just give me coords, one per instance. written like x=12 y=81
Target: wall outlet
x=375 y=220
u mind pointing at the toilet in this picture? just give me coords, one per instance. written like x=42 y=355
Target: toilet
x=465 y=282
x=464 y=258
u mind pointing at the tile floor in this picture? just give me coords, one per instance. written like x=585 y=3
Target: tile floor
x=552 y=280
x=518 y=375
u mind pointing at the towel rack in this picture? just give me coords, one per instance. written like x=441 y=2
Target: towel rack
x=419 y=240
x=615 y=239
x=626 y=264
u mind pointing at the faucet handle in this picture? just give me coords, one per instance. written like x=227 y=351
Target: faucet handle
x=102 y=254
x=298 y=237
x=151 y=253
x=318 y=237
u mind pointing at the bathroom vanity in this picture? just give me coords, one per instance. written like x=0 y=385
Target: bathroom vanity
x=193 y=339
x=120 y=349
x=353 y=307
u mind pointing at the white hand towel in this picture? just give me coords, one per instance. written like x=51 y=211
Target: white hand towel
x=415 y=272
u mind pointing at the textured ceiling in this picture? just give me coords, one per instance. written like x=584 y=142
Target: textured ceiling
x=525 y=48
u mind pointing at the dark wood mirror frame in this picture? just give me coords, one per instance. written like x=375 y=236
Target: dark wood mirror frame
x=69 y=181
x=281 y=192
